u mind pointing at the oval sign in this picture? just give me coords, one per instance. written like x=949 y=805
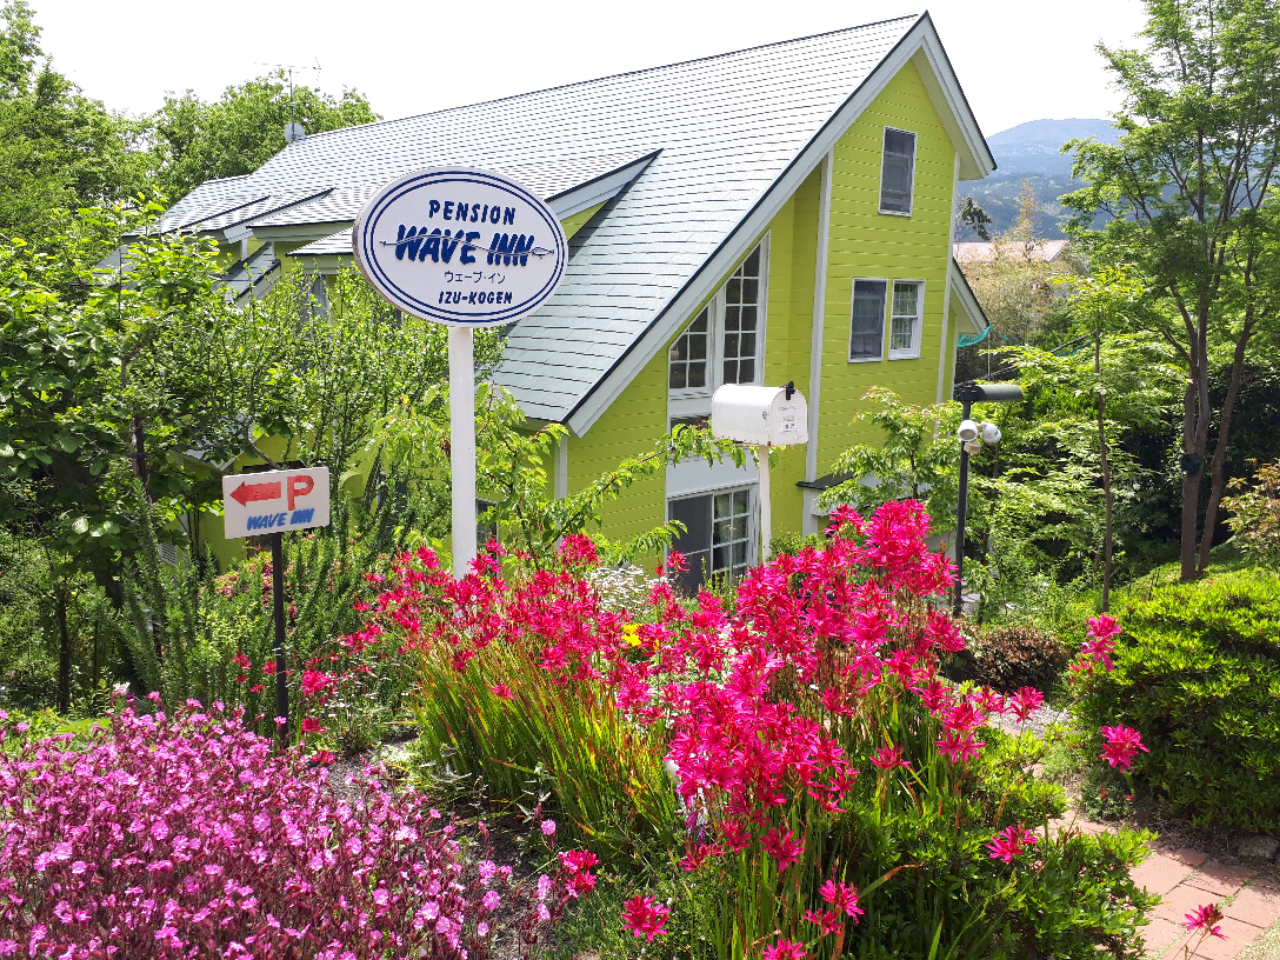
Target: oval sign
x=459 y=246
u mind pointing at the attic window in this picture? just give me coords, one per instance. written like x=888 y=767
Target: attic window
x=897 y=171
x=723 y=343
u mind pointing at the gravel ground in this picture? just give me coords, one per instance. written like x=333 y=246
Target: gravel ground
x=1038 y=723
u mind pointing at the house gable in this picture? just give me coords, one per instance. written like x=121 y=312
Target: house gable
x=919 y=50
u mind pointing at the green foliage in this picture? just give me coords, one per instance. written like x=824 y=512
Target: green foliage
x=1198 y=672
x=919 y=458
x=1255 y=514
x=58 y=148
x=196 y=141
x=512 y=472
x=186 y=625
x=1009 y=657
x=603 y=774
x=1190 y=207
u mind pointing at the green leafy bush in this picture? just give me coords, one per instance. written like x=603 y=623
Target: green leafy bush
x=1198 y=671
x=1010 y=657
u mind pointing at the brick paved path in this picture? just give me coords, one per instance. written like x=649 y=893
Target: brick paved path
x=1186 y=879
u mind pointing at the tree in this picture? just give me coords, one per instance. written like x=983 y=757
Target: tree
x=194 y=141
x=973 y=217
x=918 y=459
x=1190 y=190
x=58 y=148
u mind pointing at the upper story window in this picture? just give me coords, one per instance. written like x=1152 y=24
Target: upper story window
x=897 y=171
x=906 y=319
x=724 y=342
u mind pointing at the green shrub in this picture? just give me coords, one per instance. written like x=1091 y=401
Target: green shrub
x=1198 y=672
x=1010 y=657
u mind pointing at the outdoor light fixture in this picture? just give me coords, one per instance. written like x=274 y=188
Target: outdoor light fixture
x=972 y=436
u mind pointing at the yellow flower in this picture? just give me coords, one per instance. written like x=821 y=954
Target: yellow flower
x=631 y=634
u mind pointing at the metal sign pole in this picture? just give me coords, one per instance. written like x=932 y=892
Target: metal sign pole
x=462 y=445
x=277 y=603
x=766 y=516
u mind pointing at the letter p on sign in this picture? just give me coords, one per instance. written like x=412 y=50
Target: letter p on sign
x=299 y=486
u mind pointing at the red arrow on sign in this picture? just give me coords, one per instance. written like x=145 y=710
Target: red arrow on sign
x=246 y=493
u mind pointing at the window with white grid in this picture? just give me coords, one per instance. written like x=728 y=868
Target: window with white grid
x=725 y=341
x=717 y=535
x=688 y=358
x=905 y=320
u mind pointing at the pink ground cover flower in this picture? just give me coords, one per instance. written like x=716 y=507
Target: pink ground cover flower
x=1123 y=744
x=186 y=835
x=889 y=757
x=1010 y=842
x=645 y=917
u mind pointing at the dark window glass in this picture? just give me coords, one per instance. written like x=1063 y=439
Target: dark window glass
x=687 y=358
x=741 y=307
x=866 y=330
x=897 y=171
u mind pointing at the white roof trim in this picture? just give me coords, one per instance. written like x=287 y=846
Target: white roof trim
x=921 y=37
x=597 y=191
x=962 y=297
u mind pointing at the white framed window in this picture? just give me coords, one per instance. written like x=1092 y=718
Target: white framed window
x=724 y=343
x=866 y=320
x=897 y=172
x=719 y=537
x=906 y=319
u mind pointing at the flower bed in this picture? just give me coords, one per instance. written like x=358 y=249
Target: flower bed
x=184 y=836
x=788 y=846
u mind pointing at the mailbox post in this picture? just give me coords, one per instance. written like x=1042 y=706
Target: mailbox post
x=762 y=417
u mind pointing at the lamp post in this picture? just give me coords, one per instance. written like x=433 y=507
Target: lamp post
x=972 y=436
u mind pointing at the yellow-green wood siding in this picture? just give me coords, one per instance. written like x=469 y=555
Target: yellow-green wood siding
x=865 y=243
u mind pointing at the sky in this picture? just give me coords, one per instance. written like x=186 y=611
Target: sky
x=1017 y=60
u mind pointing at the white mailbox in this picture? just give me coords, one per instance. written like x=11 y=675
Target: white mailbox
x=760 y=416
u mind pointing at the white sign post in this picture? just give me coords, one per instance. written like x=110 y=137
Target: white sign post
x=254 y=504
x=467 y=249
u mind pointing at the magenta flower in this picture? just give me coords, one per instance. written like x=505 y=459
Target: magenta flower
x=1010 y=842
x=1206 y=918
x=783 y=847
x=842 y=896
x=1123 y=744
x=827 y=921
x=1026 y=701
x=889 y=757
x=548 y=828
x=645 y=917
x=784 y=950
x=502 y=691
x=959 y=746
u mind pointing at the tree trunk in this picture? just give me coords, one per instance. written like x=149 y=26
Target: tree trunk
x=1106 y=476
x=64 y=650
x=1217 y=475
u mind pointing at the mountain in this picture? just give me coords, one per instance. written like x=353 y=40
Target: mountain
x=1032 y=151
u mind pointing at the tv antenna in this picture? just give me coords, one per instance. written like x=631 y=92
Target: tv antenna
x=293 y=131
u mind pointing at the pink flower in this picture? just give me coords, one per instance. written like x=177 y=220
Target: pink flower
x=889 y=757
x=314 y=682
x=1123 y=744
x=502 y=691
x=1206 y=918
x=959 y=746
x=783 y=847
x=645 y=917
x=1010 y=842
x=548 y=828
x=311 y=725
x=700 y=854
x=491 y=900
x=784 y=950
x=1025 y=702
x=1103 y=627
x=828 y=921
x=842 y=896
x=575 y=860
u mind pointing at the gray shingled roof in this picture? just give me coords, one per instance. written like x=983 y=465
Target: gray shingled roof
x=728 y=128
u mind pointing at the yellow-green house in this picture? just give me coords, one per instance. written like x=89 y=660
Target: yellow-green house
x=773 y=215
